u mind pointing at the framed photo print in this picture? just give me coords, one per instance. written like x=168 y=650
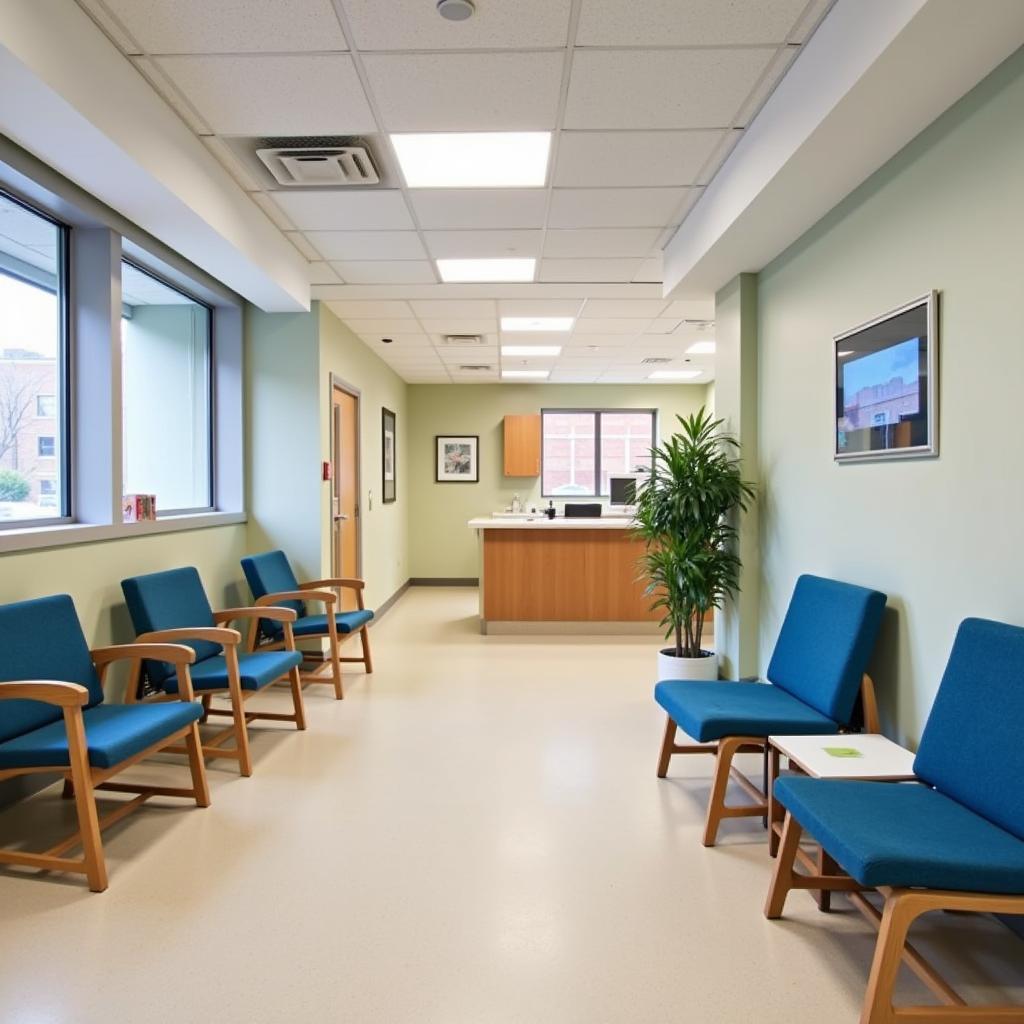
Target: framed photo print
x=886 y=385
x=388 y=454
x=457 y=459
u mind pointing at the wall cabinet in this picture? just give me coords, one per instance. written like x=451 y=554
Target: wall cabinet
x=522 y=445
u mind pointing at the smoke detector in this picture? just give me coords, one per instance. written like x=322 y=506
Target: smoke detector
x=319 y=166
x=462 y=340
x=456 y=10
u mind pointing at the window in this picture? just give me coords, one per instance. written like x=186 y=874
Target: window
x=32 y=363
x=583 y=447
x=167 y=397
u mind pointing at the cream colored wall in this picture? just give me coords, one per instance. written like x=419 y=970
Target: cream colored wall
x=385 y=528
x=941 y=536
x=441 y=545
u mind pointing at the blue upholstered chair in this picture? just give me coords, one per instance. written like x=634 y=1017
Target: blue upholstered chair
x=953 y=842
x=53 y=721
x=272 y=582
x=171 y=607
x=815 y=675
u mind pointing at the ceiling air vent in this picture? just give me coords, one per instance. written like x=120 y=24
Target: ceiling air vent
x=652 y=360
x=462 y=340
x=475 y=368
x=320 y=166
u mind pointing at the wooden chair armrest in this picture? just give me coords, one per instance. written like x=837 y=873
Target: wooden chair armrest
x=338 y=581
x=176 y=654
x=49 y=691
x=215 y=635
x=263 y=612
x=297 y=595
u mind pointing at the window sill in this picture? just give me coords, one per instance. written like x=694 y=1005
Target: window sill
x=68 y=534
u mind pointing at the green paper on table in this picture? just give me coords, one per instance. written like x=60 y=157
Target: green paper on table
x=843 y=752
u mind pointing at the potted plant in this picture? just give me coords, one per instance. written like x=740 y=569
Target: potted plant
x=684 y=515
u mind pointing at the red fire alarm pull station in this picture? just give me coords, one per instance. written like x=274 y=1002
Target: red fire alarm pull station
x=327 y=471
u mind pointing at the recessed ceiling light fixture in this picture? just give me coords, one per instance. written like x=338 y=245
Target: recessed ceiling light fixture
x=531 y=350
x=702 y=348
x=455 y=271
x=674 y=374
x=473 y=159
x=552 y=324
x=456 y=10
x=526 y=374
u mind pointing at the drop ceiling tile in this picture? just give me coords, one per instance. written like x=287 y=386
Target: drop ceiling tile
x=459 y=325
x=588 y=271
x=410 y=347
x=385 y=271
x=816 y=10
x=322 y=273
x=615 y=207
x=171 y=95
x=302 y=243
x=585 y=339
x=651 y=271
x=599 y=242
x=645 y=308
x=361 y=309
x=663 y=326
x=626 y=375
x=435 y=309
x=468 y=354
x=559 y=376
x=780 y=64
x=589 y=355
x=466 y=91
x=631 y=326
x=718 y=157
x=230 y=26
x=274 y=95
x=661 y=88
x=415 y=25
x=691 y=309
x=383 y=326
x=686 y=22
x=560 y=338
x=455 y=209
x=539 y=307
x=483 y=244
x=632 y=159
x=272 y=210
x=367 y=245
x=373 y=209
x=115 y=29
x=235 y=167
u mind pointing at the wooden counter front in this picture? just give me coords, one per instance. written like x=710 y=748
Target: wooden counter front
x=580 y=575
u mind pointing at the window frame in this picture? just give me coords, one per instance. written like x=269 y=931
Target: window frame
x=62 y=435
x=211 y=392
x=597 y=412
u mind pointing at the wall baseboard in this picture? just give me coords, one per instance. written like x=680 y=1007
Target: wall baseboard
x=378 y=613
x=444 y=581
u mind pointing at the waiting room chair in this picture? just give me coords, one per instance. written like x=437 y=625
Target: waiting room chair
x=172 y=607
x=953 y=842
x=273 y=582
x=814 y=677
x=53 y=721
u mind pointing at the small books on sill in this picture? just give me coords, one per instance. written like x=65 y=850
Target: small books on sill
x=843 y=752
x=138 y=508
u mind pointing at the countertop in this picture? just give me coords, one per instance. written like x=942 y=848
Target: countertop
x=540 y=522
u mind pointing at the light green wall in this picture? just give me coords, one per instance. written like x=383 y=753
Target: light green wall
x=440 y=543
x=940 y=536
x=385 y=528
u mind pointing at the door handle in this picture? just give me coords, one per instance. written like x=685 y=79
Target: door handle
x=340 y=516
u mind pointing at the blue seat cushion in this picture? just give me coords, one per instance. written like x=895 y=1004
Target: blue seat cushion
x=905 y=834
x=710 y=710
x=113 y=733
x=346 y=622
x=271 y=573
x=255 y=671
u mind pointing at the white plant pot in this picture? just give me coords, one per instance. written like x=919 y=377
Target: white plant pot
x=671 y=667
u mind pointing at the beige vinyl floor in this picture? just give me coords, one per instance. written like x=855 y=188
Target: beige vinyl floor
x=474 y=836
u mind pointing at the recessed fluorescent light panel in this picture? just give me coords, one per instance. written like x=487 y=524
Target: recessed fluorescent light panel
x=474 y=159
x=454 y=271
x=531 y=350
x=702 y=348
x=674 y=374
x=525 y=374
x=551 y=324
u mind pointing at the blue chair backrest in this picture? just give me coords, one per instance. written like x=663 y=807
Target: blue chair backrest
x=971 y=749
x=271 y=573
x=42 y=640
x=825 y=642
x=174 y=599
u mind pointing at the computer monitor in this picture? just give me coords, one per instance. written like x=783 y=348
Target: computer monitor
x=622 y=490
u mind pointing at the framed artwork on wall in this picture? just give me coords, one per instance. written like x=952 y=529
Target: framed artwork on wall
x=388 y=454
x=886 y=385
x=457 y=459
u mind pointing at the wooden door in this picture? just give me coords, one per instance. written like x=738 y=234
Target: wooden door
x=345 y=520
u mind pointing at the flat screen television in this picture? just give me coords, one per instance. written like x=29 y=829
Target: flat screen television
x=886 y=385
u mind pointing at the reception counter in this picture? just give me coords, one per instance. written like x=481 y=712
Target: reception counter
x=561 y=576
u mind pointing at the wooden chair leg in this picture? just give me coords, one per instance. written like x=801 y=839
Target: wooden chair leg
x=727 y=748
x=335 y=646
x=826 y=866
x=241 y=728
x=85 y=801
x=295 y=678
x=197 y=766
x=68 y=791
x=775 y=809
x=364 y=634
x=897 y=917
x=666 y=747
x=206 y=701
x=782 y=877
